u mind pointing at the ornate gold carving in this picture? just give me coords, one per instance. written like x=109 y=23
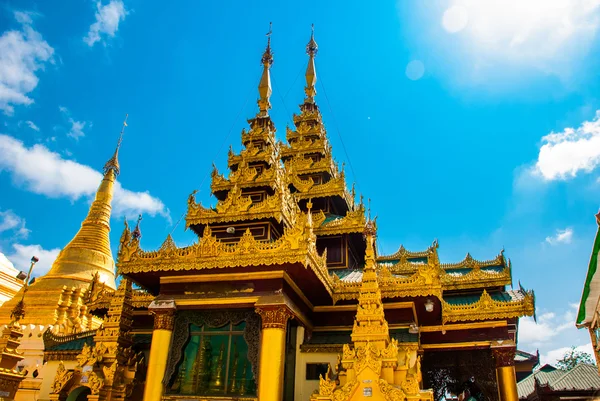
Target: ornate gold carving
x=279 y=206
x=390 y=392
x=504 y=353
x=63 y=376
x=477 y=277
x=486 y=308
x=353 y=222
x=296 y=245
x=470 y=263
x=164 y=314
x=274 y=317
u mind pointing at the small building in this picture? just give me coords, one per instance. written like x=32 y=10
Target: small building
x=548 y=383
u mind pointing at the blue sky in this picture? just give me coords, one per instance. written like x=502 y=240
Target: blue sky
x=473 y=122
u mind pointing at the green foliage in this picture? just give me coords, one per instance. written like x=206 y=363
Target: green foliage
x=572 y=358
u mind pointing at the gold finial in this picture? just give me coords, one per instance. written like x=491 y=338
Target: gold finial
x=137 y=233
x=264 y=86
x=311 y=74
x=113 y=162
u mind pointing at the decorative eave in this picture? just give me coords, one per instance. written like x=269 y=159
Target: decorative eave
x=306 y=146
x=470 y=263
x=307 y=115
x=236 y=207
x=247 y=177
x=139 y=299
x=296 y=246
x=301 y=165
x=307 y=189
x=258 y=133
x=487 y=308
x=51 y=339
x=476 y=278
x=353 y=222
x=424 y=282
x=252 y=154
x=404 y=254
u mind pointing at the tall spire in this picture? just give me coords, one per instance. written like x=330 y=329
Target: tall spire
x=89 y=250
x=264 y=86
x=113 y=162
x=311 y=74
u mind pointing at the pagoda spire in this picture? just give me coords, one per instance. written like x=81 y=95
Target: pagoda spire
x=264 y=86
x=311 y=74
x=89 y=250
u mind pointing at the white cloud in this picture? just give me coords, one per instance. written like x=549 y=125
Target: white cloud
x=564 y=154
x=547 y=327
x=551 y=36
x=107 y=22
x=76 y=129
x=9 y=221
x=32 y=125
x=21 y=258
x=561 y=237
x=42 y=171
x=22 y=53
x=554 y=355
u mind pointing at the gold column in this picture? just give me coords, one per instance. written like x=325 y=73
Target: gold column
x=272 y=351
x=164 y=320
x=504 y=355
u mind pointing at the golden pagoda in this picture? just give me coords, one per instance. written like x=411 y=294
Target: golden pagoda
x=284 y=297
x=57 y=297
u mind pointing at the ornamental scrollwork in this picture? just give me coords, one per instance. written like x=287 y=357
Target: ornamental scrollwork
x=488 y=308
x=62 y=377
x=392 y=393
x=274 y=317
x=504 y=355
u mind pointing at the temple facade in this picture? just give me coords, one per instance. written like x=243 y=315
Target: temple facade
x=282 y=297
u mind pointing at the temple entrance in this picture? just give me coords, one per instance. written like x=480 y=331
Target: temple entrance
x=469 y=374
x=79 y=394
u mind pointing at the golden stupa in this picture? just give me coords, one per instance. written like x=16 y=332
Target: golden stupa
x=58 y=298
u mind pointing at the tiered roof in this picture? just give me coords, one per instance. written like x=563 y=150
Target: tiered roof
x=256 y=167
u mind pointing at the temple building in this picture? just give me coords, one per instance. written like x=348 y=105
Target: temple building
x=589 y=308
x=282 y=297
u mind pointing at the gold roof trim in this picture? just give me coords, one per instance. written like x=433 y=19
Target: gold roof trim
x=402 y=253
x=424 y=282
x=476 y=278
x=353 y=222
x=252 y=154
x=305 y=165
x=246 y=176
x=236 y=207
x=487 y=308
x=297 y=245
x=470 y=263
x=306 y=146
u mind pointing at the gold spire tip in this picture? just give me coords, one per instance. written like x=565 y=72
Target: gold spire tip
x=312 y=48
x=267 y=57
x=113 y=162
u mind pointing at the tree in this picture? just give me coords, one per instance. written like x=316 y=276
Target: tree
x=572 y=358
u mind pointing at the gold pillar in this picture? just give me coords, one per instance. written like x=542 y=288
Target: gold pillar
x=272 y=351
x=164 y=320
x=504 y=355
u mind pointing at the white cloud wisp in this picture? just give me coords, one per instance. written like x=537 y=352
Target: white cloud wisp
x=21 y=258
x=44 y=172
x=107 y=22
x=76 y=129
x=22 y=54
x=10 y=221
x=564 y=154
x=561 y=237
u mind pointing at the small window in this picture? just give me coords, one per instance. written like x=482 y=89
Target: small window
x=314 y=370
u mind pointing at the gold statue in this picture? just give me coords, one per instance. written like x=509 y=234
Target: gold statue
x=216 y=382
x=234 y=367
